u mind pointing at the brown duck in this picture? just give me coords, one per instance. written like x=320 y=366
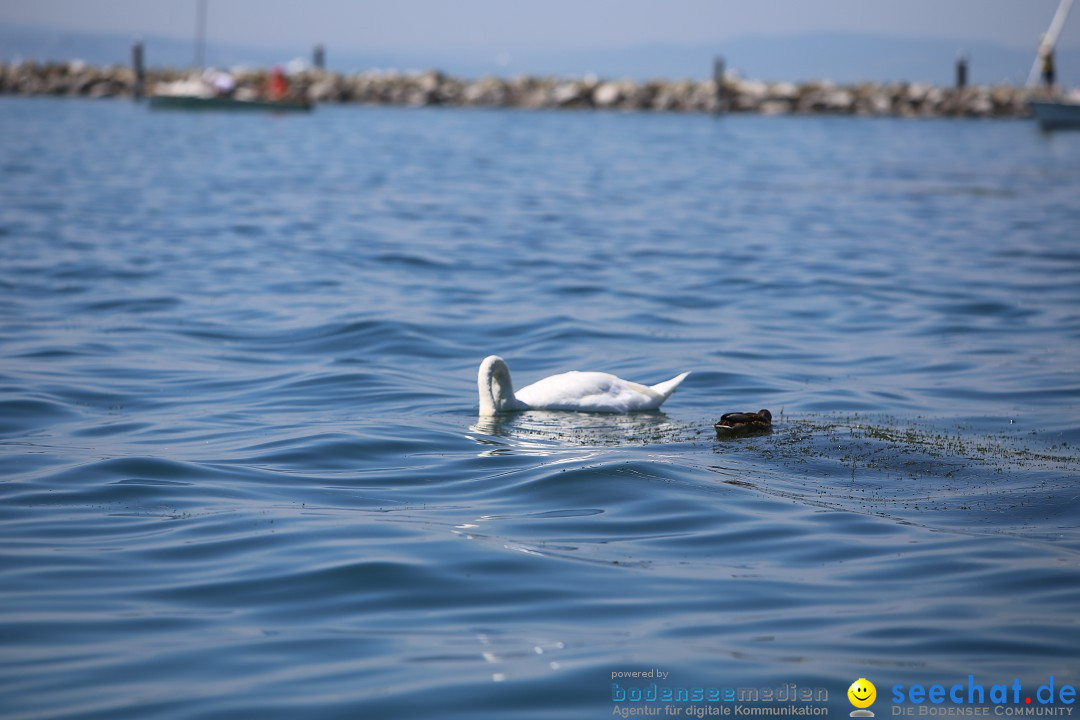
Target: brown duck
x=739 y=424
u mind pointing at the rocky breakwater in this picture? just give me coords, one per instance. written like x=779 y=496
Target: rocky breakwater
x=434 y=88
x=66 y=79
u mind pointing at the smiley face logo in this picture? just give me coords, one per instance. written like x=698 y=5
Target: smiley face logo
x=862 y=694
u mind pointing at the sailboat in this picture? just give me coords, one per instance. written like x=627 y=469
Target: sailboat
x=1053 y=113
x=204 y=92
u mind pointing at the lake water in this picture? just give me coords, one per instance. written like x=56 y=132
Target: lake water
x=244 y=476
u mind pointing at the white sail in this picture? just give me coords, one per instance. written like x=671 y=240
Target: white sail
x=1050 y=39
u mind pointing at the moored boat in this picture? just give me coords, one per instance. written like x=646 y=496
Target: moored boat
x=213 y=90
x=1056 y=114
x=1051 y=108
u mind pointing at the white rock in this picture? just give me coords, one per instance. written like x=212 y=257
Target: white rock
x=784 y=91
x=774 y=107
x=566 y=93
x=606 y=95
x=753 y=90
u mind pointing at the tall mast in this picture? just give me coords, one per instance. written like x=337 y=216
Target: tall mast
x=1050 y=39
x=200 y=35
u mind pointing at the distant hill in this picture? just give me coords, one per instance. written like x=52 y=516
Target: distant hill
x=841 y=57
x=115 y=49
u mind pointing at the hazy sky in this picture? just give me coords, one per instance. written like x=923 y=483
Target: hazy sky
x=509 y=25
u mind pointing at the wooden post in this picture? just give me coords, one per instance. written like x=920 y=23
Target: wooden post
x=961 y=71
x=137 y=68
x=319 y=57
x=718 y=78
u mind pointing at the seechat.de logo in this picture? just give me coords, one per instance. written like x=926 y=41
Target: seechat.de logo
x=862 y=695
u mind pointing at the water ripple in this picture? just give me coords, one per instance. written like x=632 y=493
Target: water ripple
x=245 y=477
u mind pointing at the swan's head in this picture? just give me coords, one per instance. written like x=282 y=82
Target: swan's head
x=496 y=389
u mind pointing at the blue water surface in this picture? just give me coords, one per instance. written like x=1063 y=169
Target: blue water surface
x=244 y=475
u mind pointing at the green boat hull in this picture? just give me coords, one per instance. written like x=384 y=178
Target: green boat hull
x=191 y=102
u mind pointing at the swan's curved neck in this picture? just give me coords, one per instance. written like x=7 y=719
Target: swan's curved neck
x=496 y=388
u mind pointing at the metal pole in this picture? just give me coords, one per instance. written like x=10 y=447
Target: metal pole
x=200 y=35
x=718 y=78
x=961 y=71
x=137 y=67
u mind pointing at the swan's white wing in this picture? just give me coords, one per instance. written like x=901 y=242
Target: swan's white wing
x=590 y=392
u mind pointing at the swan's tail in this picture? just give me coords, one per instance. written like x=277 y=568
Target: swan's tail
x=666 y=388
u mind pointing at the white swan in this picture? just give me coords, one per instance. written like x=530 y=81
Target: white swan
x=581 y=391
